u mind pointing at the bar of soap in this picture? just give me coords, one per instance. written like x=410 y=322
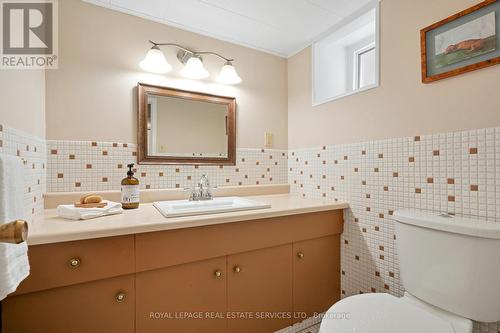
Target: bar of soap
x=91 y=199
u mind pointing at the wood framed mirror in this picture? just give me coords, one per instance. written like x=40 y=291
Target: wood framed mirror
x=184 y=127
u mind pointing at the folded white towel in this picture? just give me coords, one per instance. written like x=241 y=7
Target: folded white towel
x=77 y=213
x=14 y=265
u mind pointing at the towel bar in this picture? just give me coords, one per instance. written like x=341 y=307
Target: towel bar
x=14 y=232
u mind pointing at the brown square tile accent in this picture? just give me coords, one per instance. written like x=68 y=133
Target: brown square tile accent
x=306 y=162
x=19 y=154
x=395 y=174
x=243 y=160
x=435 y=153
x=346 y=242
x=375 y=170
x=418 y=190
x=381 y=248
x=343 y=292
x=356 y=169
x=391 y=274
x=373 y=290
x=417 y=138
x=177 y=185
x=120 y=166
x=386 y=188
x=104 y=153
x=72 y=157
x=134 y=153
x=1 y=128
x=430 y=180
x=324 y=162
x=221 y=167
x=411 y=159
x=264 y=176
x=160 y=174
x=125 y=145
x=451 y=181
x=368 y=209
x=368 y=196
x=377 y=273
x=227 y=180
x=474 y=188
x=363 y=152
x=381 y=215
x=196 y=166
x=240 y=183
x=310 y=176
x=342 y=177
x=324 y=176
x=356 y=219
x=60 y=175
x=143 y=174
x=343 y=272
x=473 y=151
x=451 y=198
x=78 y=184
x=386 y=286
x=324 y=147
x=377 y=228
x=94 y=144
x=324 y=195
x=391 y=212
x=382 y=257
x=380 y=155
x=1 y=143
x=115 y=145
x=104 y=179
x=318 y=155
x=246 y=176
x=177 y=170
x=257 y=183
x=148 y=187
x=257 y=163
x=53 y=152
x=363 y=182
x=345 y=158
x=88 y=166
x=188 y=177
x=356 y=257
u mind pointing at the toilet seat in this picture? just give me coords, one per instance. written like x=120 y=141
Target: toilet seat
x=381 y=313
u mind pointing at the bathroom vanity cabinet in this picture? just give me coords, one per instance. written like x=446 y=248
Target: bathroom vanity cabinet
x=252 y=276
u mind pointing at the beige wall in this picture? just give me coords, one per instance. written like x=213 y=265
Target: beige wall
x=22 y=100
x=402 y=105
x=92 y=97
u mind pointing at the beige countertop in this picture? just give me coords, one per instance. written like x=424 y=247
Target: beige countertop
x=53 y=229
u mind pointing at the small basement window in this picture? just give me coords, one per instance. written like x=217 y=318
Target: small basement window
x=346 y=59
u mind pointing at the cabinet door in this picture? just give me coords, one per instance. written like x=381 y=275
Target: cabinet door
x=189 y=298
x=260 y=284
x=316 y=275
x=101 y=306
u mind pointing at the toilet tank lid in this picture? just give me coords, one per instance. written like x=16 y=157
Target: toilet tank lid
x=449 y=223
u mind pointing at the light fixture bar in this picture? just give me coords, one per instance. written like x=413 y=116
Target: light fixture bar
x=194 y=53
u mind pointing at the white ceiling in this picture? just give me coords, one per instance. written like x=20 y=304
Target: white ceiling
x=281 y=27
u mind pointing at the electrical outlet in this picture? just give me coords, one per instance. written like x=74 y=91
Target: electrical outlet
x=268 y=140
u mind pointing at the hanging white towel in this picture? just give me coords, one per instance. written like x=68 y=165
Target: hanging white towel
x=14 y=265
x=76 y=213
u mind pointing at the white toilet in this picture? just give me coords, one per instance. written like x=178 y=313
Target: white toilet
x=450 y=269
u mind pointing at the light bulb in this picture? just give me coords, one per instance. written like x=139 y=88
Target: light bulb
x=194 y=69
x=155 y=61
x=228 y=74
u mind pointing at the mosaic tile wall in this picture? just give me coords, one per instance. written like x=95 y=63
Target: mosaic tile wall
x=455 y=172
x=93 y=166
x=31 y=150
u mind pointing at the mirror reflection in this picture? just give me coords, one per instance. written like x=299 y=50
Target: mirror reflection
x=182 y=127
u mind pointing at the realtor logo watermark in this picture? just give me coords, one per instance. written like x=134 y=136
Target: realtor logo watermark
x=29 y=34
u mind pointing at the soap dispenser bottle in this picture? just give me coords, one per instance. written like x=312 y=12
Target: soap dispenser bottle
x=130 y=190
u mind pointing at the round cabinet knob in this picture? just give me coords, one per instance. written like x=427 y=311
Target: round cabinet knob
x=218 y=274
x=75 y=262
x=300 y=255
x=237 y=269
x=120 y=297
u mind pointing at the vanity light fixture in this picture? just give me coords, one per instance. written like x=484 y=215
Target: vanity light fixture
x=193 y=64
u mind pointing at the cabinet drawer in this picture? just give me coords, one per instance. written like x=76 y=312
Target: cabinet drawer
x=99 y=306
x=62 y=264
x=181 y=246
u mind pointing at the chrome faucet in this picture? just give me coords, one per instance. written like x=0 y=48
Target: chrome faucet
x=203 y=191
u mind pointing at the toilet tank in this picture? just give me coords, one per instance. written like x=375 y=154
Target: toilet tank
x=450 y=262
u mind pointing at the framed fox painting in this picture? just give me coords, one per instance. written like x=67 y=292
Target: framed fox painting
x=461 y=43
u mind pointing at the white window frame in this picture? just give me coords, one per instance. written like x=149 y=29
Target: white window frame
x=357 y=65
x=374 y=4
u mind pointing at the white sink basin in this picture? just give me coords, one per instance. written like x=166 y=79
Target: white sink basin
x=177 y=208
